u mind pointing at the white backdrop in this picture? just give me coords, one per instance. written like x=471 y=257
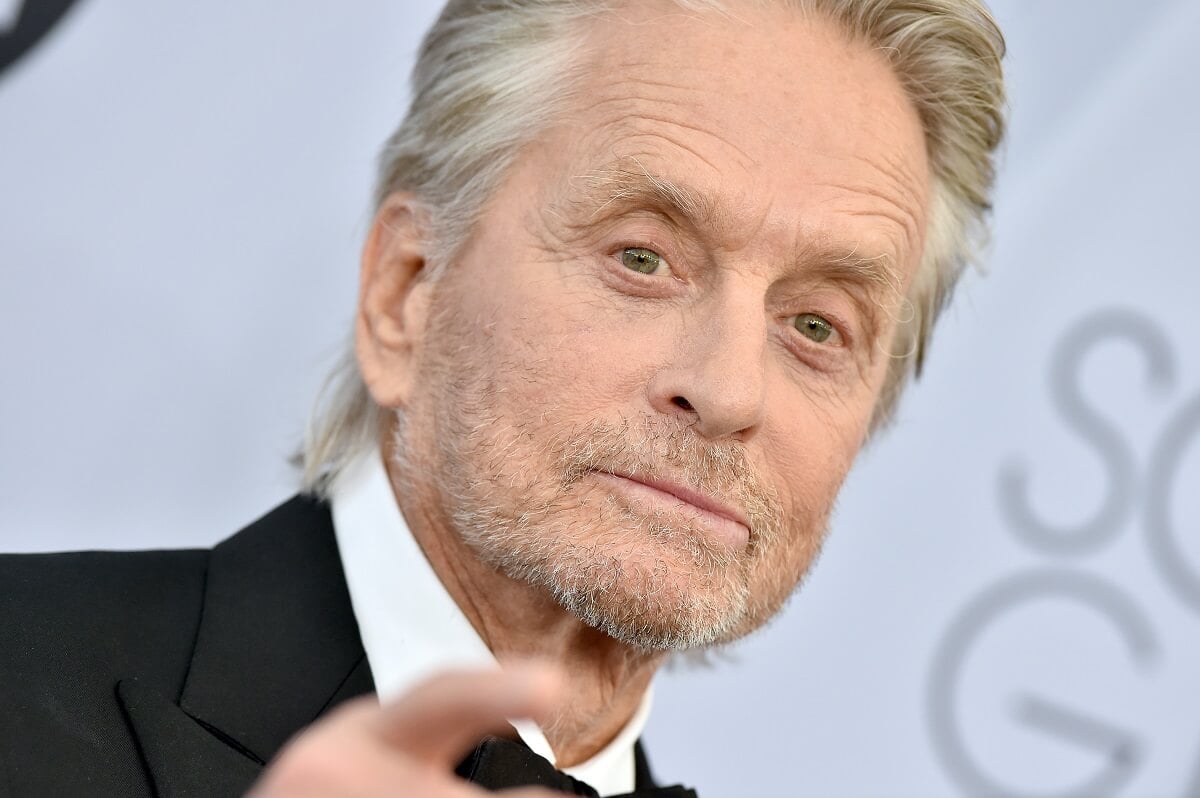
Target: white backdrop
x=1010 y=603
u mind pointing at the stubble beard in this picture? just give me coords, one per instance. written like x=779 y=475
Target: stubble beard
x=519 y=490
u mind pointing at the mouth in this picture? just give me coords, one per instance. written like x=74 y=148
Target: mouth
x=725 y=522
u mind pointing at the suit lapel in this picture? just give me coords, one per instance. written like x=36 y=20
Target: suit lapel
x=181 y=757
x=277 y=645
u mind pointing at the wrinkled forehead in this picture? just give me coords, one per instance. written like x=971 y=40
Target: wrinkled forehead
x=778 y=120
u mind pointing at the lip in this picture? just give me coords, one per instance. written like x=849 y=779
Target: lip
x=689 y=496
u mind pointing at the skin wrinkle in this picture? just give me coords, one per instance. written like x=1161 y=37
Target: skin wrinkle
x=902 y=194
x=696 y=199
x=615 y=190
x=895 y=208
x=886 y=208
x=628 y=189
x=645 y=141
x=903 y=180
x=644 y=89
x=633 y=113
x=645 y=118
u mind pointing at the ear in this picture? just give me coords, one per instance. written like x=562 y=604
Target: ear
x=393 y=300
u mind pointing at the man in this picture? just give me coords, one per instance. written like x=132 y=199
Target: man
x=642 y=279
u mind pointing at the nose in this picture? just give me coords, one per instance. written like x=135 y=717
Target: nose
x=715 y=374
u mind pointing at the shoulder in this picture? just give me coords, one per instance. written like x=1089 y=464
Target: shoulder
x=75 y=624
x=66 y=580
x=114 y=611
x=73 y=621
x=43 y=596
x=127 y=608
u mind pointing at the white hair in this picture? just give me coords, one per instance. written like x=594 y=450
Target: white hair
x=491 y=75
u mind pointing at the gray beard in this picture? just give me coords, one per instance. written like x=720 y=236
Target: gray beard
x=542 y=538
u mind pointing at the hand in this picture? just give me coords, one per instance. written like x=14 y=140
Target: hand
x=409 y=748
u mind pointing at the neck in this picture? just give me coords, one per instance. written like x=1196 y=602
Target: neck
x=604 y=679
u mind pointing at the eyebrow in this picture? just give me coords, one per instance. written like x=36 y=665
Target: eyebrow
x=842 y=264
x=627 y=185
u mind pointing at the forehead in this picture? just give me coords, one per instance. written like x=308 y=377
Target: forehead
x=786 y=127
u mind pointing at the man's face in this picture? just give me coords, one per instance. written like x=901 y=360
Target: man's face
x=645 y=378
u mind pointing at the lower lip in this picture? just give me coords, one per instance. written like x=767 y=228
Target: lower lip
x=723 y=530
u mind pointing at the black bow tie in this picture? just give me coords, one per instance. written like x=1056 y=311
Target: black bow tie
x=500 y=764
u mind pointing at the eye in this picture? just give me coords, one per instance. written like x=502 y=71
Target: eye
x=813 y=327
x=643 y=261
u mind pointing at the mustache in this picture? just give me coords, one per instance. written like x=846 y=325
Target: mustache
x=663 y=450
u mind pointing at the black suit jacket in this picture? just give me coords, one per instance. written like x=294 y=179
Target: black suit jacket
x=174 y=673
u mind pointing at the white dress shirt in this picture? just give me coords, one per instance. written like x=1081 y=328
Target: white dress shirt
x=410 y=625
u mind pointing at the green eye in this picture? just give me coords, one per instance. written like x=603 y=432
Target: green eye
x=641 y=260
x=814 y=328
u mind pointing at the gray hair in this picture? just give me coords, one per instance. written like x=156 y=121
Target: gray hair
x=491 y=74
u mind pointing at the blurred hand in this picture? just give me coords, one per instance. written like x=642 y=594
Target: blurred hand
x=409 y=747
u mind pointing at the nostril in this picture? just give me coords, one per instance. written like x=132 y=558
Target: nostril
x=679 y=401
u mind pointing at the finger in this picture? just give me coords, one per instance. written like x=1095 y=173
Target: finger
x=348 y=761
x=440 y=719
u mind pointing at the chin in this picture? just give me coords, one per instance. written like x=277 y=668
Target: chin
x=653 y=611
x=652 y=586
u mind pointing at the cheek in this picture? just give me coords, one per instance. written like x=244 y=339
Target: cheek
x=567 y=350
x=810 y=457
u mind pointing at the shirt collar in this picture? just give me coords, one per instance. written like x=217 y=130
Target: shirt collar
x=410 y=625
